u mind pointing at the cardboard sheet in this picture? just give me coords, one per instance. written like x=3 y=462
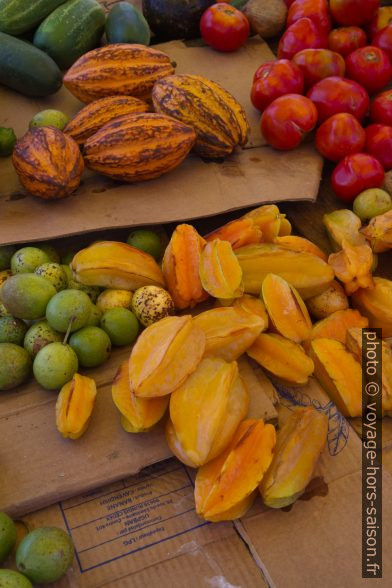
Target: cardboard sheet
x=195 y=189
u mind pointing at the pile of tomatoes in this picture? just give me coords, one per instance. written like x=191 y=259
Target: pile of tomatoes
x=333 y=69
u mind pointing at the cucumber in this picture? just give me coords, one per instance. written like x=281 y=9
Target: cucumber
x=26 y=69
x=19 y=16
x=70 y=31
x=126 y=24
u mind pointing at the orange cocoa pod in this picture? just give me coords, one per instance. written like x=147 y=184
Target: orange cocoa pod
x=300 y=244
x=253 y=305
x=336 y=325
x=206 y=411
x=268 y=219
x=376 y=304
x=379 y=232
x=239 y=232
x=138 y=147
x=48 y=162
x=165 y=355
x=219 y=270
x=299 y=445
x=224 y=487
x=339 y=373
x=74 y=406
x=95 y=115
x=117 y=69
x=229 y=331
x=353 y=266
x=180 y=267
x=328 y=302
x=137 y=414
x=282 y=358
x=286 y=309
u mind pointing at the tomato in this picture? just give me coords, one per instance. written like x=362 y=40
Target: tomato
x=333 y=95
x=353 y=12
x=381 y=19
x=273 y=79
x=356 y=173
x=223 y=27
x=317 y=64
x=381 y=108
x=346 y=39
x=316 y=10
x=379 y=144
x=303 y=34
x=340 y=135
x=383 y=40
x=285 y=122
x=289 y=3
x=370 y=67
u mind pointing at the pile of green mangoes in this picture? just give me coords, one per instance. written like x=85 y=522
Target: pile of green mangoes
x=42 y=555
x=50 y=324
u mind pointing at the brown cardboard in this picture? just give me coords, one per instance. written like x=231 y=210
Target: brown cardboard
x=196 y=189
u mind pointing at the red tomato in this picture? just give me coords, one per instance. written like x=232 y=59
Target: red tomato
x=316 y=10
x=285 y=122
x=288 y=3
x=370 y=67
x=355 y=173
x=381 y=19
x=383 y=40
x=379 y=144
x=223 y=27
x=353 y=12
x=333 y=95
x=346 y=39
x=317 y=64
x=303 y=34
x=340 y=135
x=273 y=79
x=381 y=108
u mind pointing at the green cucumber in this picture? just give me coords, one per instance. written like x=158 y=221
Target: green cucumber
x=26 y=69
x=71 y=30
x=20 y=16
x=126 y=24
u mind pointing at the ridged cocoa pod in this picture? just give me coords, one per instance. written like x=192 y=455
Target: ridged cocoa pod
x=376 y=304
x=111 y=264
x=336 y=325
x=299 y=444
x=339 y=373
x=309 y=274
x=96 y=114
x=138 y=147
x=117 y=69
x=137 y=414
x=218 y=119
x=229 y=331
x=225 y=487
x=379 y=232
x=281 y=357
x=48 y=163
x=74 y=406
x=180 y=267
x=328 y=302
x=206 y=411
x=286 y=309
x=165 y=355
x=219 y=270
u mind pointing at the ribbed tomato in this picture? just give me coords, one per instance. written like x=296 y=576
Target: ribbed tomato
x=383 y=40
x=273 y=79
x=303 y=34
x=381 y=108
x=370 y=67
x=381 y=19
x=339 y=136
x=317 y=64
x=316 y=10
x=346 y=39
x=223 y=27
x=353 y=12
x=333 y=95
x=286 y=121
x=379 y=144
x=356 y=173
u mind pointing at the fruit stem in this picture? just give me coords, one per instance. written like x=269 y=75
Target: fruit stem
x=67 y=334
